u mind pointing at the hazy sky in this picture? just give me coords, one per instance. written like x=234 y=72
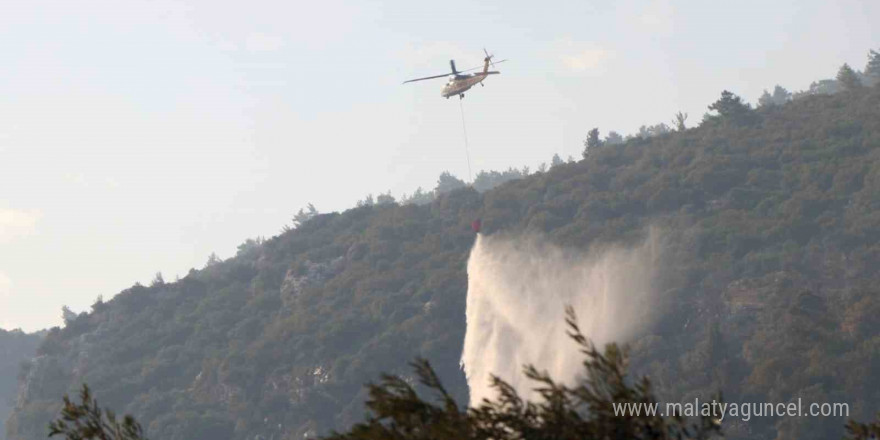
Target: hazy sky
x=140 y=136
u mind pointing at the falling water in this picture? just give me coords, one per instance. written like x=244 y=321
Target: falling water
x=518 y=288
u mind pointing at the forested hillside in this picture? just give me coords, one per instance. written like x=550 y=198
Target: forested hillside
x=16 y=348
x=773 y=222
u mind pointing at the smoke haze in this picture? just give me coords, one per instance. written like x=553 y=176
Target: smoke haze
x=518 y=288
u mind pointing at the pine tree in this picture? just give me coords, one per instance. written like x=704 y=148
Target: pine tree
x=873 y=66
x=67 y=315
x=613 y=138
x=385 y=199
x=447 y=182
x=158 y=280
x=592 y=142
x=731 y=108
x=765 y=99
x=679 y=121
x=848 y=78
x=87 y=421
x=863 y=431
x=213 y=259
x=781 y=95
x=304 y=215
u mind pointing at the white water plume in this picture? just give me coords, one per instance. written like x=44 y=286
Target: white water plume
x=518 y=288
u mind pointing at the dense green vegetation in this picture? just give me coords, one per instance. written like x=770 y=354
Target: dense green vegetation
x=588 y=410
x=592 y=408
x=16 y=348
x=772 y=218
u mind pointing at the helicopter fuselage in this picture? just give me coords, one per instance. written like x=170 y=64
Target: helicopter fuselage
x=458 y=84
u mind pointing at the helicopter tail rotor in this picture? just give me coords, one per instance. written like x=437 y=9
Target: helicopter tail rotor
x=489 y=57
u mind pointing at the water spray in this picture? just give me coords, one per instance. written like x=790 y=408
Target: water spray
x=518 y=288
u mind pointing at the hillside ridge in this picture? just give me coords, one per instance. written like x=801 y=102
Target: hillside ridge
x=775 y=231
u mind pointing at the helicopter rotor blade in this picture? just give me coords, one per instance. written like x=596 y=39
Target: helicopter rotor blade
x=489 y=57
x=480 y=67
x=427 y=77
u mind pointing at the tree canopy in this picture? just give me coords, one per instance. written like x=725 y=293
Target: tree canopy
x=592 y=142
x=848 y=78
x=873 y=66
x=732 y=109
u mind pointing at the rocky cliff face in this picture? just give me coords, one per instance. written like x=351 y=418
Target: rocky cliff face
x=16 y=351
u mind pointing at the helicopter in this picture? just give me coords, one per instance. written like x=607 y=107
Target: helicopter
x=459 y=81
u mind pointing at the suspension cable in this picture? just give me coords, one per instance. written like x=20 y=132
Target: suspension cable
x=466 y=152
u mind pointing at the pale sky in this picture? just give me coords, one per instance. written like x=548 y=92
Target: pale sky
x=140 y=136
